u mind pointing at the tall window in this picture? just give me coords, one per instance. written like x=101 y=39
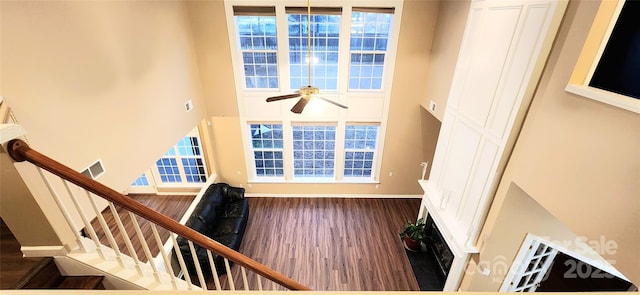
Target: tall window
x=258 y=45
x=368 y=46
x=267 y=146
x=182 y=167
x=314 y=151
x=184 y=162
x=347 y=52
x=359 y=146
x=325 y=34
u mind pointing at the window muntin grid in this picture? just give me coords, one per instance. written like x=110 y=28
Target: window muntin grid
x=267 y=144
x=187 y=156
x=325 y=34
x=141 y=181
x=360 y=146
x=258 y=47
x=168 y=169
x=194 y=170
x=368 y=47
x=314 y=151
x=188 y=146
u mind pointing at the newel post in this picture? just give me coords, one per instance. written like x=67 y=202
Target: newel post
x=16 y=149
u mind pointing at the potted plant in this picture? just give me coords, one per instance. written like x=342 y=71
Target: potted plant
x=412 y=234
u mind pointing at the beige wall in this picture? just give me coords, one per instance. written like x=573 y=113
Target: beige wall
x=402 y=148
x=430 y=127
x=577 y=157
x=101 y=79
x=512 y=226
x=209 y=28
x=452 y=16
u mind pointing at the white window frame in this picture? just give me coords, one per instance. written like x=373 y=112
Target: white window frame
x=144 y=189
x=253 y=51
x=540 y=263
x=252 y=161
x=156 y=185
x=385 y=53
x=365 y=105
x=582 y=87
x=375 y=153
x=183 y=183
x=336 y=173
x=288 y=154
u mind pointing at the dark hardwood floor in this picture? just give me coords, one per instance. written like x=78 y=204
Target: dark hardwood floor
x=331 y=244
x=172 y=206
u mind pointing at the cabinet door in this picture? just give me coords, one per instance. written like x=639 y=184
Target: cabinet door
x=503 y=51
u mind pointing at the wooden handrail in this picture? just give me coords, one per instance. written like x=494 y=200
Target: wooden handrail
x=20 y=151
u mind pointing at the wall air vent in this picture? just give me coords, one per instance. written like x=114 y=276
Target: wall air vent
x=94 y=171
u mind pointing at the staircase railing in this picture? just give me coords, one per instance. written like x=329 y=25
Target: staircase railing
x=20 y=151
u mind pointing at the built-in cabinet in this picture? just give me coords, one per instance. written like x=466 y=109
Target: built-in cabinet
x=504 y=48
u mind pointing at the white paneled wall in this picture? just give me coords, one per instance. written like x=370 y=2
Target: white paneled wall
x=503 y=50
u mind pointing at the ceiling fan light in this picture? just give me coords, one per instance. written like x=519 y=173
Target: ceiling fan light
x=315 y=106
x=307 y=93
x=314 y=59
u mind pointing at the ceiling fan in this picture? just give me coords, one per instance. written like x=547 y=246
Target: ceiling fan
x=309 y=92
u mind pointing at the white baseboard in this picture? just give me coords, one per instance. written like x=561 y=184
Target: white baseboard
x=43 y=251
x=343 y=196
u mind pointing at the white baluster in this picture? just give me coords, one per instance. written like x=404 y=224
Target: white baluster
x=196 y=263
x=63 y=209
x=107 y=231
x=259 y=278
x=176 y=248
x=145 y=246
x=232 y=286
x=165 y=256
x=125 y=237
x=244 y=278
x=214 y=271
x=87 y=224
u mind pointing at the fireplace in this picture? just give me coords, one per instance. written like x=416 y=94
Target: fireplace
x=437 y=248
x=450 y=236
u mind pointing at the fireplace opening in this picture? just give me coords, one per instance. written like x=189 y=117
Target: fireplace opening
x=437 y=248
x=432 y=264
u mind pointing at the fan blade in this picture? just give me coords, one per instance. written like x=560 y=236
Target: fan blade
x=332 y=102
x=281 y=97
x=300 y=105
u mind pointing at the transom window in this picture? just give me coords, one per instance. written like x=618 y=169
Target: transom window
x=258 y=46
x=257 y=35
x=325 y=34
x=369 y=38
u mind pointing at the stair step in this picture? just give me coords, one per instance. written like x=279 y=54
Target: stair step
x=47 y=276
x=44 y=276
x=81 y=282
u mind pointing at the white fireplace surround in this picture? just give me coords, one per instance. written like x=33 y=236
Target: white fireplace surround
x=453 y=233
x=503 y=50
